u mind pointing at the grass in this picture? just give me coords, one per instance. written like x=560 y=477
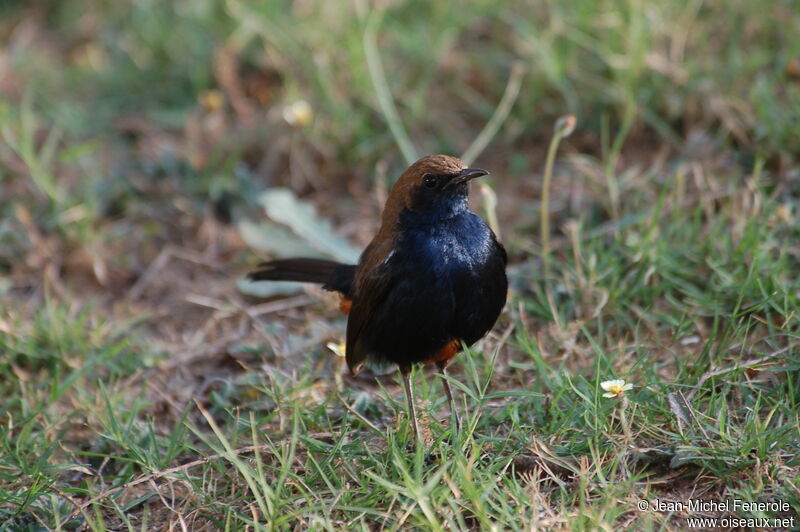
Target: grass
x=143 y=391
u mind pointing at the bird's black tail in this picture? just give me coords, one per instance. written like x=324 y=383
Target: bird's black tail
x=333 y=276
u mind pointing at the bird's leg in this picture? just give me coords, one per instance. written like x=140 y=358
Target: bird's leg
x=442 y=365
x=412 y=411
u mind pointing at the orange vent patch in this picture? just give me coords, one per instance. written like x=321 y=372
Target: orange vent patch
x=446 y=353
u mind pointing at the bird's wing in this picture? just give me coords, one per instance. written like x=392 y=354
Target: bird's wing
x=372 y=287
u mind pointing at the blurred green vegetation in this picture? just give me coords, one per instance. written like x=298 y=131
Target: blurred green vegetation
x=723 y=67
x=195 y=92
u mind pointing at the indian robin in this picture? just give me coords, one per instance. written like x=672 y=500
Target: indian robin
x=432 y=279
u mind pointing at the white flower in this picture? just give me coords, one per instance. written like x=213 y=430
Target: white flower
x=338 y=349
x=298 y=113
x=615 y=388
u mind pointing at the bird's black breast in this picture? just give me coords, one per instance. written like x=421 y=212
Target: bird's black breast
x=446 y=281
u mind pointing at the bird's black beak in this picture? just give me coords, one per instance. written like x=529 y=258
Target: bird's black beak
x=466 y=174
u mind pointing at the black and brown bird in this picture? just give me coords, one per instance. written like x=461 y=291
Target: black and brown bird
x=432 y=279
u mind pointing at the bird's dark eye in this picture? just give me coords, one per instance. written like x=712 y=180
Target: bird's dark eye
x=429 y=181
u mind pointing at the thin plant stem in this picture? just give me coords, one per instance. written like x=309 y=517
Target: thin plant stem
x=564 y=127
x=490 y=208
x=499 y=116
x=385 y=100
x=613 y=157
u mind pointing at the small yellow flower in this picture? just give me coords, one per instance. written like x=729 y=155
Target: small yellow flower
x=615 y=388
x=212 y=100
x=784 y=212
x=338 y=349
x=298 y=113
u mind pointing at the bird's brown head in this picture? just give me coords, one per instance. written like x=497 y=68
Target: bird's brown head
x=433 y=188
